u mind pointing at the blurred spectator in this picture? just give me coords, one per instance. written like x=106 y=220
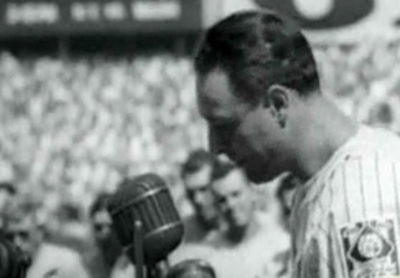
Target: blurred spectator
x=192 y=269
x=71 y=230
x=48 y=260
x=87 y=122
x=106 y=248
x=196 y=176
x=253 y=245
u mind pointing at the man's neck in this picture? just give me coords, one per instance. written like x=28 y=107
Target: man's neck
x=197 y=229
x=324 y=130
x=207 y=225
x=237 y=235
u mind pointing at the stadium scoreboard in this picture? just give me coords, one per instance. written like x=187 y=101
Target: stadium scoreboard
x=80 y=17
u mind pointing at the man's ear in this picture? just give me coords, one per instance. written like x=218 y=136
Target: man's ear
x=278 y=98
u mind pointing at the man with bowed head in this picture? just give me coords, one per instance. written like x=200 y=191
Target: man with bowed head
x=259 y=90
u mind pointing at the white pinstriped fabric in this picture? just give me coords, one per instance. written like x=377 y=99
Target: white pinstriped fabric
x=345 y=221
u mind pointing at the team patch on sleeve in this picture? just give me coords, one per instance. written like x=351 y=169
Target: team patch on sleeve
x=370 y=249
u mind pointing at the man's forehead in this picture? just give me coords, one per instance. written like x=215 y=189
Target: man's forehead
x=232 y=182
x=198 y=179
x=215 y=96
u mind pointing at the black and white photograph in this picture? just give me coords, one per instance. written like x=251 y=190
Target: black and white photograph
x=199 y=139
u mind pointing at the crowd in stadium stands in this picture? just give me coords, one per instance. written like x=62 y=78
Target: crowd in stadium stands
x=364 y=80
x=71 y=129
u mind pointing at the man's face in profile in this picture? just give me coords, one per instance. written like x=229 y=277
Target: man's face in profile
x=248 y=134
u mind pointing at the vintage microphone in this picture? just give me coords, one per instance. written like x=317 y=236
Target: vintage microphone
x=146 y=221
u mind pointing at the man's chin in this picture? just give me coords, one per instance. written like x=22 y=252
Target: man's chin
x=208 y=219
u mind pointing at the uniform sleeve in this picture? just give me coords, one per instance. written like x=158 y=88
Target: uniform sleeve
x=363 y=216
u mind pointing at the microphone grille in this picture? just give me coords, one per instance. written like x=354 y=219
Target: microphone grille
x=132 y=188
x=146 y=198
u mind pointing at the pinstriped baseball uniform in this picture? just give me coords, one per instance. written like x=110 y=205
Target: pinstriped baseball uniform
x=345 y=221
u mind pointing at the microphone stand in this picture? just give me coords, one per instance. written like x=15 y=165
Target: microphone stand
x=138 y=247
x=152 y=271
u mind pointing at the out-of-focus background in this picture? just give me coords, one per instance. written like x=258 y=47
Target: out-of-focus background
x=94 y=90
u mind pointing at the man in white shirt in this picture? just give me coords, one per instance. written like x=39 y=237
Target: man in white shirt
x=259 y=90
x=253 y=244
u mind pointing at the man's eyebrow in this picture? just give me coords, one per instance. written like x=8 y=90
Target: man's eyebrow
x=220 y=118
x=223 y=121
x=214 y=119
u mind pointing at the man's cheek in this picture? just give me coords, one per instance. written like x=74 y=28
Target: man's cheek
x=242 y=145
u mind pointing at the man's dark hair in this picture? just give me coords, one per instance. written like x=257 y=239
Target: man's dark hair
x=99 y=204
x=258 y=49
x=196 y=160
x=221 y=169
